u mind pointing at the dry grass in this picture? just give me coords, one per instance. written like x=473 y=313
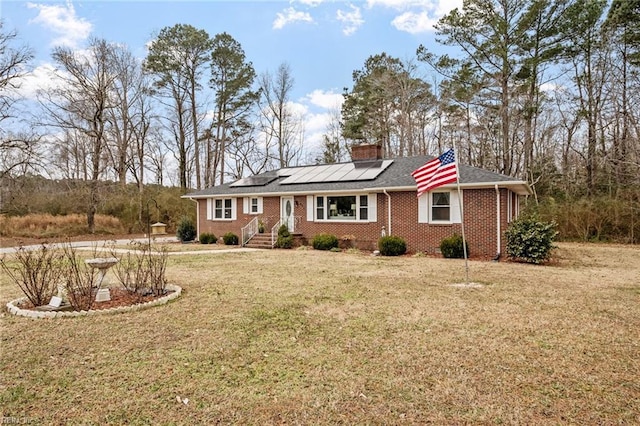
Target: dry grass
x=178 y=247
x=43 y=225
x=308 y=337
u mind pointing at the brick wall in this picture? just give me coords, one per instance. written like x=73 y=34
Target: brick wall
x=366 y=152
x=479 y=215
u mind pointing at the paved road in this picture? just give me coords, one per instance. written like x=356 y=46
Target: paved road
x=90 y=245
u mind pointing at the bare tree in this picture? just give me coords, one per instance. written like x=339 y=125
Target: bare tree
x=279 y=123
x=80 y=105
x=17 y=149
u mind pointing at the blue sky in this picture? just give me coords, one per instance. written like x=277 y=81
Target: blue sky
x=322 y=41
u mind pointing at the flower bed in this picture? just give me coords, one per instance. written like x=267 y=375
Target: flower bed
x=14 y=307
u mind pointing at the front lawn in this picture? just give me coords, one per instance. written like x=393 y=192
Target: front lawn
x=308 y=337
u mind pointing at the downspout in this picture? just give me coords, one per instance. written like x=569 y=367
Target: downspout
x=498 y=239
x=388 y=211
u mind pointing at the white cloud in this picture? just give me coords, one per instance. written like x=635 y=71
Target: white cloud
x=414 y=23
x=326 y=100
x=417 y=16
x=552 y=87
x=437 y=6
x=290 y=15
x=351 y=20
x=62 y=21
x=311 y=3
x=43 y=77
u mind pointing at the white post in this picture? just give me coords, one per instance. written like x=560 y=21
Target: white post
x=464 y=240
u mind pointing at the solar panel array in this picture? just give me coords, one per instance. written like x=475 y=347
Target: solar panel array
x=344 y=172
x=254 y=181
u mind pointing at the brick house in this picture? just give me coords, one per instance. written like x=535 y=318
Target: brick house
x=361 y=200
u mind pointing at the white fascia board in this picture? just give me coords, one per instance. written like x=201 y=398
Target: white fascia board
x=520 y=187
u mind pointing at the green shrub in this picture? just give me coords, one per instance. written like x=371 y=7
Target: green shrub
x=324 y=242
x=285 y=239
x=392 y=245
x=451 y=247
x=530 y=240
x=207 y=238
x=283 y=231
x=186 y=230
x=230 y=239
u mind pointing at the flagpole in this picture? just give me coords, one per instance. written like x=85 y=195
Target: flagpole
x=464 y=240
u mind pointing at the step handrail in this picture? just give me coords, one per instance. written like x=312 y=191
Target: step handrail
x=274 y=233
x=249 y=230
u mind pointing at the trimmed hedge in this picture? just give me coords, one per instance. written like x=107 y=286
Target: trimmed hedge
x=230 y=239
x=324 y=242
x=392 y=245
x=452 y=248
x=530 y=240
x=207 y=238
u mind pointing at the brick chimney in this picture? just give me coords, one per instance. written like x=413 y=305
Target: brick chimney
x=366 y=152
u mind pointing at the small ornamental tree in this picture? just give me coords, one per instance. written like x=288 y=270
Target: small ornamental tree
x=530 y=240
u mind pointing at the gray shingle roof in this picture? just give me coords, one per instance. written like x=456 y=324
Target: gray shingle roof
x=397 y=176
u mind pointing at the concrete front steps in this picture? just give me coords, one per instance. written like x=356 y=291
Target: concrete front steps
x=263 y=241
x=260 y=241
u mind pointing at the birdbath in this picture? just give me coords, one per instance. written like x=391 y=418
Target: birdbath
x=102 y=264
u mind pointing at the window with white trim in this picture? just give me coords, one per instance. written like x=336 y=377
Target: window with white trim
x=221 y=209
x=441 y=206
x=343 y=208
x=252 y=205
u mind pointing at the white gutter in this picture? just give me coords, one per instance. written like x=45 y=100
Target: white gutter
x=519 y=187
x=499 y=245
x=389 y=211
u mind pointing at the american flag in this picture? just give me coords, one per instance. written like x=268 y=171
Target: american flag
x=436 y=172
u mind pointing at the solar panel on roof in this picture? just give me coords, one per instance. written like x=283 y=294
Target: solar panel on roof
x=364 y=170
x=253 y=181
x=368 y=164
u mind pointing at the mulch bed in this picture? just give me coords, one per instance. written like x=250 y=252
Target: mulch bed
x=119 y=297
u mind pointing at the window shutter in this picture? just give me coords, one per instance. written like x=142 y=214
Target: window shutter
x=234 y=205
x=260 y=205
x=454 y=210
x=310 y=208
x=245 y=205
x=373 y=207
x=423 y=208
x=209 y=208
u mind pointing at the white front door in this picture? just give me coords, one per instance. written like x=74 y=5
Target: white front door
x=286 y=212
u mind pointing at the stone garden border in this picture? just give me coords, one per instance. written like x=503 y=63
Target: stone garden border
x=13 y=308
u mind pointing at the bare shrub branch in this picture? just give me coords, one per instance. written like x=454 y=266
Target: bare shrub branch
x=36 y=272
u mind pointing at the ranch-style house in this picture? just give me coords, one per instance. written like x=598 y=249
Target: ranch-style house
x=360 y=201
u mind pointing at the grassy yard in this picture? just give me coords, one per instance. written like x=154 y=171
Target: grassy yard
x=307 y=337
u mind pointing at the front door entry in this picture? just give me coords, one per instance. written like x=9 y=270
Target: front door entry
x=286 y=213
